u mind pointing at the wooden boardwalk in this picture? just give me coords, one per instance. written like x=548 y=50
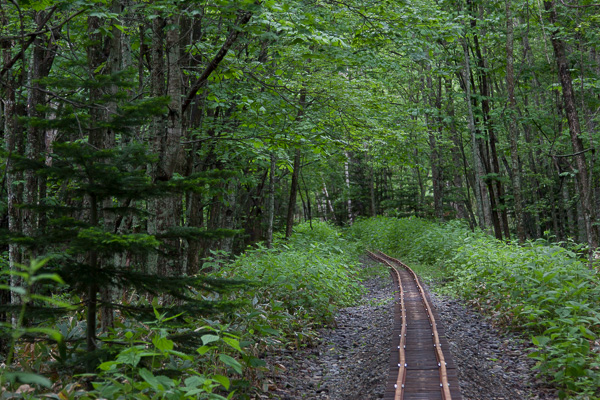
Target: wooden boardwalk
x=423 y=376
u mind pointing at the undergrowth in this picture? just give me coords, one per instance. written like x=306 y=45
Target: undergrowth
x=292 y=290
x=545 y=290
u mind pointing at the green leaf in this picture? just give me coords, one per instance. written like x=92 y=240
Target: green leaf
x=233 y=343
x=540 y=340
x=51 y=277
x=231 y=362
x=194 y=381
x=131 y=356
x=162 y=343
x=16 y=289
x=149 y=377
x=54 y=334
x=204 y=349
x=29 y=378
x=105 y=366
x=223 y=380
x=50 y=300
x=206 y=339
x=181 y=355
x=156 y=313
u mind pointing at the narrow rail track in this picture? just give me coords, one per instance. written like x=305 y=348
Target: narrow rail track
x=421 y=366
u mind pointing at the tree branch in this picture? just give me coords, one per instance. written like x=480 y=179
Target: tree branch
x=33 y=35
x=242 y=19
x=571 y=155
x=571 y=6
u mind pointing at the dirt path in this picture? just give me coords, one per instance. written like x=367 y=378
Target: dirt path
x=351 y=362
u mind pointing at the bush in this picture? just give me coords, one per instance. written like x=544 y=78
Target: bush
x=543 y=289
x=305 y=279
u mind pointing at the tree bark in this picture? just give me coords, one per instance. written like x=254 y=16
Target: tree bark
x=349 y=195
x=296 y=173
x=328 y=202
x=293 y=194
x=271 y=201
x=13 y=139
x=478 y=166
x=584 y=185
x=513 y=132
x=460 y=164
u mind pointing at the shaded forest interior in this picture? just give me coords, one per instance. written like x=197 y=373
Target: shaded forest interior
x=145 y=143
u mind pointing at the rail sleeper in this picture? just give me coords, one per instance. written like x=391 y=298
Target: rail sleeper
x=420 y=366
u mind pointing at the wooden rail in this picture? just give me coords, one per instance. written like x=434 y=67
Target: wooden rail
x=415 y=376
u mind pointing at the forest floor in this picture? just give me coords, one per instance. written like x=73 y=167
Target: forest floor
x=352 y=359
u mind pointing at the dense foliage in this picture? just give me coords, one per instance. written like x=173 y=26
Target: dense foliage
x=291 y=290
x=145 y=144
x=543 y=289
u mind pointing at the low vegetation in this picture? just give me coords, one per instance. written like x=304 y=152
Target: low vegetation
x=285 y=294
x=543 y=289
x=291 y=290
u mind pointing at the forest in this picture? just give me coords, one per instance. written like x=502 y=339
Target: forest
x=178 y=175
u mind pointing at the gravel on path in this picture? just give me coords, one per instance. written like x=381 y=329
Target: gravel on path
x=352 y=359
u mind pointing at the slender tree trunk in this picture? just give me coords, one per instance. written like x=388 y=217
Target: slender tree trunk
x=35 y=144
x=372 y=198
x=92 y=300
x=478 y=166
x=271 y=201
x=229 y=217
x=293 y=194
x=13 y=139
x=308 y=203
x=434 y=125
x=328 y=201
x=459 y=162
x=296 y=173
x=347 y=177
x=490 y=159
x=566 y=200
x=513 y=132
x=584 y=186
x=158 y=128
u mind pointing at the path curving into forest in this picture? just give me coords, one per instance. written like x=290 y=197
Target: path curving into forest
x=352 y=360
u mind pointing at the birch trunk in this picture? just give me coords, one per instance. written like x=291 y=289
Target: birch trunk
x=347 y=176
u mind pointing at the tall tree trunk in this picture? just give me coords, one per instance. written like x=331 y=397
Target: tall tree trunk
x=584 y=184
x=482 y=204
x=229 y=217
x=513 y=133
x=42 y=58
x=13 y=139
x=434 y=126
x=158 y=128
x=308 y=203
x=490 y=160
x=328 y=202
x=463 y=203
x=372 y=197
x=166 y=211
x=296 y=173
x=347 y=178
x=566 y=200
x=293 y=194
x=115 y=65
x=271 y=201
